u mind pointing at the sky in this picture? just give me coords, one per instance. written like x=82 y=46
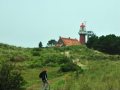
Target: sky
x=27 y=22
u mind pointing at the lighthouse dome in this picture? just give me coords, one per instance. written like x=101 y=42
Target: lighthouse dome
x=82 y=25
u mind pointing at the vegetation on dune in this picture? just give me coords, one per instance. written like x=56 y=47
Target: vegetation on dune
x=10 y=77
x=101 y=75
x=70 y=67
x=91 y=70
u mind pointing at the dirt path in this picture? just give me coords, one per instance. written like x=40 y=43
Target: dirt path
x=34 y=87
x=38 y=86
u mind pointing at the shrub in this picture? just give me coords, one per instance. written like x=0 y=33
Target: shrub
x=37 y=49
x=34 y=64
x=36 y=53
x=56 y=59
x=10 y=78
x=64 y=60
x=69 y=67
x=17 y=58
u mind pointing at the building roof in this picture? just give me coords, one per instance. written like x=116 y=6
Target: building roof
x=69 y=41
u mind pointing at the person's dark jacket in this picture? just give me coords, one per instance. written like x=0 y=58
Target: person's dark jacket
x=43 y=75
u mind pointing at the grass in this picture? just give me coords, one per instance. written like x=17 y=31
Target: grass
x=32 y=76
x=101 y=75
x=101 y=71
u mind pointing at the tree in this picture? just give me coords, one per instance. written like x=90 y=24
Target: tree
x=108 y=44
x=52 y=42
x=10 y=77
x=40 y=45
x=92 y=42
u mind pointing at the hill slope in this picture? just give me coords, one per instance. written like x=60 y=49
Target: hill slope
x=100 y=71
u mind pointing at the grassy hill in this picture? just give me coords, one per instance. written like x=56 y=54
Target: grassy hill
x=100 y=71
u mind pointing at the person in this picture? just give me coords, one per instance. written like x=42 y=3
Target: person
x=43 y=76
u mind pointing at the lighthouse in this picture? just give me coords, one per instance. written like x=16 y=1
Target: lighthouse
x=82 y=33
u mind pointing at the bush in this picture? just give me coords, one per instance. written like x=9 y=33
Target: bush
x=34 y=64
x=10 y=78
x=36 y=53
x=64 y=60
x=37 y=49
x=18 y=58
x=69 y=67
x=56 y=59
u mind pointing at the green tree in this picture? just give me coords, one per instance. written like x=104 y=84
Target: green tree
x=52 y=42
x=92 y=42
x=108 y=44
x=40 y=45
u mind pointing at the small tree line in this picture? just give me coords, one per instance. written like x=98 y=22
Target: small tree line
x=50 y=43
x=109 y=44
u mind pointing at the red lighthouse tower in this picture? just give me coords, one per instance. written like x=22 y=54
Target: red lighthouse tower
x=82 y=33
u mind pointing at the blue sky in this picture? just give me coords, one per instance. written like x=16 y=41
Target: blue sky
x=27 y=22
